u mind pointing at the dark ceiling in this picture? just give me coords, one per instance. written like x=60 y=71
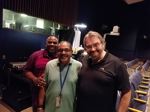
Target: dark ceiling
x=100 y=14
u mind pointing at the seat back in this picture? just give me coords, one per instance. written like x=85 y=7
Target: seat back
x=146 y=65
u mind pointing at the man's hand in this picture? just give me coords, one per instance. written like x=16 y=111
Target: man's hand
x=39 y=81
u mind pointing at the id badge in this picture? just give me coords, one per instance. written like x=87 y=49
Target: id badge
x=58 y=101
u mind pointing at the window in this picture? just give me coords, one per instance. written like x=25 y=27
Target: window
x=23 y=22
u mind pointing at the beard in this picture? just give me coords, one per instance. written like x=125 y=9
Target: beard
x=96 y=55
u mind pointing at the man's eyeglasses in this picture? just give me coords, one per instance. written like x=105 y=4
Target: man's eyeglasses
x=89 y=47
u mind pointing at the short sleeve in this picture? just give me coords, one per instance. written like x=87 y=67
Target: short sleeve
x=122 y=78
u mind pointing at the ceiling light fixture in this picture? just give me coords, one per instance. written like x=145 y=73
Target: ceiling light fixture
x=82 y=25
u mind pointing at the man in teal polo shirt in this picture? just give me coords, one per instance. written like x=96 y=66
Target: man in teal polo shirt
x=61 y=75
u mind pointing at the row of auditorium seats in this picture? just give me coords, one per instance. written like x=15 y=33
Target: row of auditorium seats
x=139 y=89
x=140 y=83
x=132 y=62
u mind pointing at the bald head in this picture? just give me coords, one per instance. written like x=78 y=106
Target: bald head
x=65 y=43
x=52 y=43
x=52 y=37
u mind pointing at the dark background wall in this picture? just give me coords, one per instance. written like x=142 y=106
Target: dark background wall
x=17 y=46
x=133 y=20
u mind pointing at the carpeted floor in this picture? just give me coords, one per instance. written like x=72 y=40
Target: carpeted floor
x=5 y=108
x=16 y=101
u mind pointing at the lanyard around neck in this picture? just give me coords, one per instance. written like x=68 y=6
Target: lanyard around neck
x=62 y=82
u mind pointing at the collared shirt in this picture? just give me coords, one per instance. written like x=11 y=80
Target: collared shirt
x=37 y=62
x=52 y=77
x=99 y=82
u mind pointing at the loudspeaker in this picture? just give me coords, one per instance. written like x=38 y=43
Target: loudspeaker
x=129 y=2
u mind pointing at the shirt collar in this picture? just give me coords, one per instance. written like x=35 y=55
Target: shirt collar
x=70 y=63
x=47 y=55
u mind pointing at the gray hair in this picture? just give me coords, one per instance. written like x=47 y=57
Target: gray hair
x=91 y=34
